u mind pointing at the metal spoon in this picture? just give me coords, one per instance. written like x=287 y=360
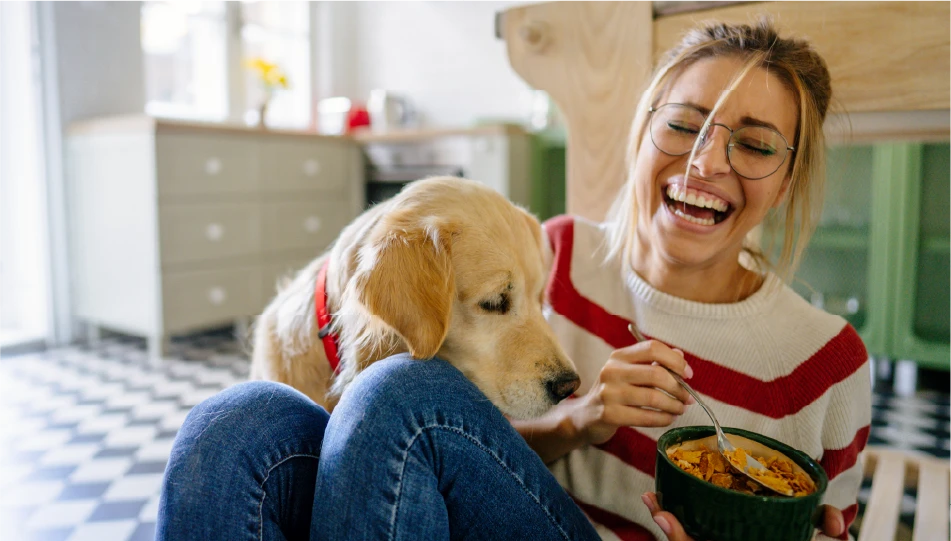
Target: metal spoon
x=723 y=444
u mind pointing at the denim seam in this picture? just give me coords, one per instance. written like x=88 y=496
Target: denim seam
x=266 y=477
x=477 y=443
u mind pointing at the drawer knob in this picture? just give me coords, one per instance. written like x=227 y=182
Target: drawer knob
x=311 y=167
x=312 y=224
x=217 y=295
x=212 y=166
x=214 y=232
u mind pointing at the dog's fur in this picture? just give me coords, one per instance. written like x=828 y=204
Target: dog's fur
x=447 y=268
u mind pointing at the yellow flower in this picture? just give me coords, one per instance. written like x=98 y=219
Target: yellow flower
x=270 y=74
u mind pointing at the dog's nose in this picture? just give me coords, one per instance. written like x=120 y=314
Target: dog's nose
x=562 y=386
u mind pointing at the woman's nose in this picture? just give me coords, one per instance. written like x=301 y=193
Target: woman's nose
x=712 y=158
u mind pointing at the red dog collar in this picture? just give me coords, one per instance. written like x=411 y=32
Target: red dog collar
x=323 y=318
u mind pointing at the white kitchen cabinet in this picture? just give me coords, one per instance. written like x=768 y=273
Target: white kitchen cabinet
x=181 y=227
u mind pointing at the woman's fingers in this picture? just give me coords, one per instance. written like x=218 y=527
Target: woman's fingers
x=651 y=398
x=653 y=351
x=833 y=524
x=620 y=415
x=666 y=521
x=645 y=375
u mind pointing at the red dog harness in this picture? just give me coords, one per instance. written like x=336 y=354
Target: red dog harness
x=324 y=319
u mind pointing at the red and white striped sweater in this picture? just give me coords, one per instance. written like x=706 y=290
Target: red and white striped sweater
x=771 y=363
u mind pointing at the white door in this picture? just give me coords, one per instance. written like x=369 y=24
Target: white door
x=24 y=277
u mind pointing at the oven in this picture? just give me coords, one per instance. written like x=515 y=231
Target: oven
x=385 y=181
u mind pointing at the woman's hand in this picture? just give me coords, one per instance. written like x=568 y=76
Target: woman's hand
x=633 y=389
x=833 y=524
x=665 y=520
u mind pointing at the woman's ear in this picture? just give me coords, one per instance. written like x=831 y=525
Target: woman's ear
x=405 y=278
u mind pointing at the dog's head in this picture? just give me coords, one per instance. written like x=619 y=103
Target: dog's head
x=457 y=271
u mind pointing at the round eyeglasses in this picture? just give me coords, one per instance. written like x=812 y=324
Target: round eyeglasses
x=754 y=152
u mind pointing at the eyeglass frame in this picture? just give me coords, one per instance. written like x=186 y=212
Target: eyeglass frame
x=705 y=132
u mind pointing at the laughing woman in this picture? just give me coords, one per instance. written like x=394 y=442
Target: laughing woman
x=728 y=133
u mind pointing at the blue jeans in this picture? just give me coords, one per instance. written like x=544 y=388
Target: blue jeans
x=413 y=451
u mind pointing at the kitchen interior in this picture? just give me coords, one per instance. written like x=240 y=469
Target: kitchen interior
x=172 y=162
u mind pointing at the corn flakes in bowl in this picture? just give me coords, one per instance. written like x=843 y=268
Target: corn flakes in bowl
x=695 y=483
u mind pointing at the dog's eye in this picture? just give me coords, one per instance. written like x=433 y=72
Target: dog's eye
x=499 y=305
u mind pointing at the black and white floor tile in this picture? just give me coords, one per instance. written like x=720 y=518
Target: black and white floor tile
x=87 y=432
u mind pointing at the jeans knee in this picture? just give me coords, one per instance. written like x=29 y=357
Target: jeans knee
x=250 y=414
x=400 y=387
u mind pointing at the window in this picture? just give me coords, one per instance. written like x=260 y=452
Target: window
x=184 y=47
x=279 y=32
x=195 y=60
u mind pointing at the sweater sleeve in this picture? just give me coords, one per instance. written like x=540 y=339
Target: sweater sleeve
x=845 y=431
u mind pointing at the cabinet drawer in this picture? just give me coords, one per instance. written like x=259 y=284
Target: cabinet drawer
x=312 y=224
x=200 y=164
x=290 y=165
x=201 y=232
x=201 y=298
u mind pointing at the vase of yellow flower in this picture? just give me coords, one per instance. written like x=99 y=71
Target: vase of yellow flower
x=271 y=77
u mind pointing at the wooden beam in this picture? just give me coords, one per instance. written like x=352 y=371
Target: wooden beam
x=593 y=59
x=882 y=56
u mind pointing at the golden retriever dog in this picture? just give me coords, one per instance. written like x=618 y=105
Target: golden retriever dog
x=448 y=268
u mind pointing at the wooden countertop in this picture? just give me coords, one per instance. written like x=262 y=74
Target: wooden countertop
x=144 y=123
x=414 y=135
x=140 y=123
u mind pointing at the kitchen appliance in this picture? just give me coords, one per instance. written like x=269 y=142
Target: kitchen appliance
x=383 y=182
x=339 y=115
x=389 y=111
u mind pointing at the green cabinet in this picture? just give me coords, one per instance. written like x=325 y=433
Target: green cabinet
x=880 y=256
x=549 y=172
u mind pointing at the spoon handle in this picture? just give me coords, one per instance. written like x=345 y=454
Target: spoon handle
x=694 y=395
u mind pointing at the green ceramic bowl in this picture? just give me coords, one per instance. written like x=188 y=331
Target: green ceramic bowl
x=711 y=512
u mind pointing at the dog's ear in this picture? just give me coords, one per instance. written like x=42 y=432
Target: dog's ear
x=406 y=279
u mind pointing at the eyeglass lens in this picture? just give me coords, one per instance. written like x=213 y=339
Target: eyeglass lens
x=754 y=151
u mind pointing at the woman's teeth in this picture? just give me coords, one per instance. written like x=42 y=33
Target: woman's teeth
x=704 y=209
x=689 y=218
x=695 y=198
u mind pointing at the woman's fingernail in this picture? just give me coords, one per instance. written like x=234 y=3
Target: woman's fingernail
x=690 y=400
x=840 y=526
x=688 y=372
x=647 y=502
x=662 y=522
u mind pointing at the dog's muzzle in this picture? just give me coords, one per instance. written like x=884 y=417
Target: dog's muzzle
x=562 y=386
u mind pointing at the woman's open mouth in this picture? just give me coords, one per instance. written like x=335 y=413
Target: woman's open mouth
x=696 y=207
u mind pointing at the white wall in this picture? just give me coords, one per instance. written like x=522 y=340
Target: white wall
x=443 y=55
x=91 y=62
x=99 y=59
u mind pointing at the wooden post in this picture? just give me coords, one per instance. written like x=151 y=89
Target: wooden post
x=593 y=59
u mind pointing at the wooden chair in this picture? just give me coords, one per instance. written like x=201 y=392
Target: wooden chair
x=891 y=472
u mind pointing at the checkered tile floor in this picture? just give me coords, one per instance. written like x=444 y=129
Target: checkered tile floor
x=86 y=432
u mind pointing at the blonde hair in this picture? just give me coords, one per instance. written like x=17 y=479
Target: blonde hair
x=803 y=71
